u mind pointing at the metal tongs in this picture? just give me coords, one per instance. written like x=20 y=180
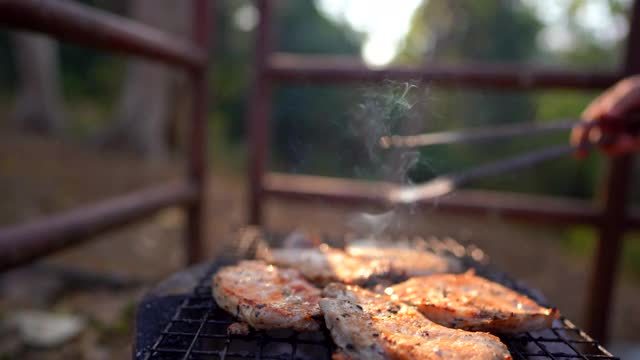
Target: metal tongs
x=599 y=134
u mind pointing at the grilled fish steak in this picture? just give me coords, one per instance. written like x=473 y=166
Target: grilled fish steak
x=408 y=262
x=267 y=297
x=366 y=325
x=467 y=301
x=323 y=265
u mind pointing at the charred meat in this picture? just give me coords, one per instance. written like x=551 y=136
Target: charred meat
x=467 y=301
x=408 y=262
x=323 y=265
x=366 y=325
x=267 y=297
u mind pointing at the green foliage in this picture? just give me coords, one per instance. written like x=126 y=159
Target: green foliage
x=631 y=254
x=498 y=31
x=300 y=113
x=302 y=29
x=89 y=73
x=309 y=134
x=333 y=130
x=460 y=32
x=581 y=241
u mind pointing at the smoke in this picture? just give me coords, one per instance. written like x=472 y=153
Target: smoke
x=382 y=111
x=387 y=110
x=372 y=225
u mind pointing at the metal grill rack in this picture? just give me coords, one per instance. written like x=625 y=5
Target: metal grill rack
x=198 y=328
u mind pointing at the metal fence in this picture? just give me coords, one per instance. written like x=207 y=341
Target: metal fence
x=83 y=25
x=609 y=215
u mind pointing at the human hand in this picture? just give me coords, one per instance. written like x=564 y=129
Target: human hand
x=610 y=115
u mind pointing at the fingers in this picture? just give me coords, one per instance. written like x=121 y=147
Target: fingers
x=604 y=114
x=580 y=138
x=627 y=101
x=616 y=102
x=597 y=107
x=586 y=135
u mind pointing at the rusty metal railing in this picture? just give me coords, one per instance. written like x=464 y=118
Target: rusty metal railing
x=610 y=217
x=344 y=69
x=80 y=24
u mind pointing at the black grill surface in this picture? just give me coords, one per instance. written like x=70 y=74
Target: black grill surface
x=198 y=328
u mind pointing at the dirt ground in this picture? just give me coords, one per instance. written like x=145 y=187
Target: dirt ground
x=104 y=279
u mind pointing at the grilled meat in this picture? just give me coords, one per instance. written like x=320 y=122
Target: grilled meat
x=324 y=264
x=366 y=325
x=467 y=301
x=267 y=297
x=238 y=328
x=408 y=262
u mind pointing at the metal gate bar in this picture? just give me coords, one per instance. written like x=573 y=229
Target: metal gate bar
x=287 y=67
x=614 y=201
x=84 y=25
x=80 y=24
x=610 y=218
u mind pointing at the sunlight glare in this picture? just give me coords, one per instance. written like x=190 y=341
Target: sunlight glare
x=384 y=24
x=245 y=17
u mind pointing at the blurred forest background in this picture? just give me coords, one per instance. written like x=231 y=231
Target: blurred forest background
x=94 y=97
x=106 y=101
x=78 y=124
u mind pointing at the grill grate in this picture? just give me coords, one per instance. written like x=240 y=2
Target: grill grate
x=198 y=328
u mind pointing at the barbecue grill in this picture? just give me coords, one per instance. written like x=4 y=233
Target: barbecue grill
x=196 y=328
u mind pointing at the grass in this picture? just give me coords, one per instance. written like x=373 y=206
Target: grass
x=631 y=254
x=121 y=328
x=580 y=241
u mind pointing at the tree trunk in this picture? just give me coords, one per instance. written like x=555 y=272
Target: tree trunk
x=38 y=101
x=147 y=104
